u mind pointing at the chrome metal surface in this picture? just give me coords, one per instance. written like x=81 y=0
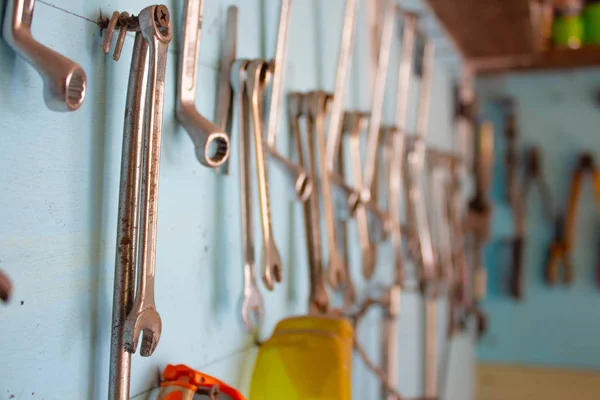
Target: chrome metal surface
x=256 y=79
x=252 y=302
x=143 y=318
x=65 y=82
x=210 y=139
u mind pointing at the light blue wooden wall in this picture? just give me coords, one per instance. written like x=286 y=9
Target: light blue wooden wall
x=560 y=326
x=59 y=180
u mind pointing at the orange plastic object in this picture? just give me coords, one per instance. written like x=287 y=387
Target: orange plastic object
x=306 y=358
x=182 y=382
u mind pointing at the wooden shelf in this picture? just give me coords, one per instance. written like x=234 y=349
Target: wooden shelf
x=586 y=57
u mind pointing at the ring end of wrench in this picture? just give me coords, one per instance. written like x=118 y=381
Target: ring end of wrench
x=214 y=151
x=303 y=188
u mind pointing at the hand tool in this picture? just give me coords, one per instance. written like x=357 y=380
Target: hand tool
x=327 y=149
x=511 y=161
x=535 y=174
x=316 y=110
x=252 y=300
x=256 y=78
x=303 y=184
x=138 y=195
x=479 y=220
x=183 y=383
x=417 y=218
x=565 y=230
x=5 y=287
x=65 y=81
x=210 y=139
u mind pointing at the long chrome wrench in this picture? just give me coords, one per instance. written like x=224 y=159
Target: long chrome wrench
x=327 y=148
x=316 y=111
x=210 y=139
x=155 y=28
x=143 y=122
x=414 y=176
x=256 y=80
x=65 y=81
x=303 y=184
x=253 y=300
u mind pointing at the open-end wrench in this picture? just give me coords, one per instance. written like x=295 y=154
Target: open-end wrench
x=253 y=300
x=65 y=81
x=354 y=122
x=210 y=139
x=316 y=104
x=327 y=147
x=155 y=35
x=256 y=79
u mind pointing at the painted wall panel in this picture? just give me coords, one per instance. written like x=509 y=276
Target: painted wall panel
x=59 y=180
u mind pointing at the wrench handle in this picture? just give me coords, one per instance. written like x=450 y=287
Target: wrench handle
x=517 y=280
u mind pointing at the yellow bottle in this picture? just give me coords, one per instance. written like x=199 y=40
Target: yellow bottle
x=308 y=358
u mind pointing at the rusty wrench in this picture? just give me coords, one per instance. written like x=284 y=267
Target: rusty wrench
x=252 y=300
x=139 y=189
x=210 y=139
x=154 y=36
x=65 y=81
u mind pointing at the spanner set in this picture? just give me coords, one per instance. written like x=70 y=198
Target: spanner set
x=392 y=172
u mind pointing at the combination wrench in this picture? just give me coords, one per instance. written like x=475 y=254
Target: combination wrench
x=210 y=139
x=136 y=227
x=252 y=301
x=65 y=81
x=257 y=73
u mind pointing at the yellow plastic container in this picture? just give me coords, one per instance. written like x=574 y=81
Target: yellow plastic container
x=306 y=358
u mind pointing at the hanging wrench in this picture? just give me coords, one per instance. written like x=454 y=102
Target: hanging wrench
x=65 y=81
x=203 y=132
x=316 y=110
x=256 y=78
x=155 y=35
x=253 y=300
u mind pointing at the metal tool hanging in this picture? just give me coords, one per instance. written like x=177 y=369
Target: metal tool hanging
x=418 y=225
x=134 y=310
x=65 y=82
x=564 y=241
x=210 y=139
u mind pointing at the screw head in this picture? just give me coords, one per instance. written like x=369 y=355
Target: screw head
x=162 y=16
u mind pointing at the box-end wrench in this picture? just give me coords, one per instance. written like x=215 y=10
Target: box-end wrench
x=316 y=104
x=65 y=81
x=210 y=139
x=327 y=147
x=256 y=79
x=253 y=300
x=155 y=34
x=353 y=124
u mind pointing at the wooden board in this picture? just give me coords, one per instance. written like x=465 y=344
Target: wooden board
x=514 y=382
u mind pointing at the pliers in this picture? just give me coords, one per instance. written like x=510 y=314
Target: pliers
x=565 y=230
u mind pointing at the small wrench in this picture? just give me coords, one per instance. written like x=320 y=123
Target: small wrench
x=65 y=81
x=203 y=132
x=316 y=110
x=152 y=43
x=256 y=78
x=353 y=124
x=253 y=300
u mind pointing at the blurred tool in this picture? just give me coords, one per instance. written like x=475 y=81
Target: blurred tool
x=138 y=194
x=65 y=82
x=479 y=219
x=564 y=241
x=183 y=383
x=210 y=139
x=534 y=174
x=418 y=224
x=5 y=287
